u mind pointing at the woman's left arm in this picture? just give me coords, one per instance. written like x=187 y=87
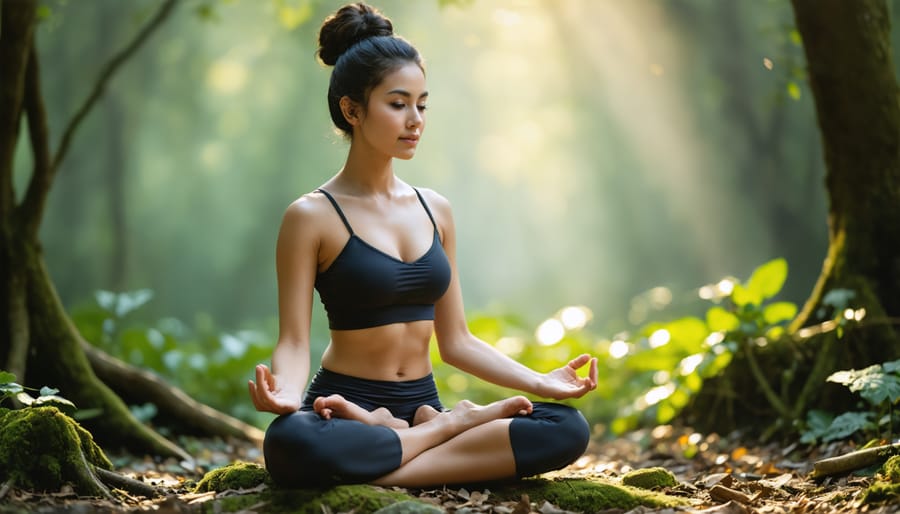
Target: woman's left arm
x=461 y=349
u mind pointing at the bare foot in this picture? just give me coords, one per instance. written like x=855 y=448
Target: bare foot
x=466 y=414
x=424 y=414
x=336 y=406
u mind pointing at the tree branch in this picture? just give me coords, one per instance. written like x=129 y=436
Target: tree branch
x=32 y=209
x=106 y=74
x=760 y=377
x=45 y=169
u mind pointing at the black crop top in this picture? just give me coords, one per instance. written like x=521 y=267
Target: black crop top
x=365 y=287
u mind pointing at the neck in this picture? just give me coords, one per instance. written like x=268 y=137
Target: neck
x=367 y=172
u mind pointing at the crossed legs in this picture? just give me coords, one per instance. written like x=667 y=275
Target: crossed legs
x=469 y=443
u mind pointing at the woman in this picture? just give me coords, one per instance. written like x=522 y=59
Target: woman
x=381 y=254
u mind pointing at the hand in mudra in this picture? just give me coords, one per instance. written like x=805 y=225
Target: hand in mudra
x=564 y=382
x=268 y=396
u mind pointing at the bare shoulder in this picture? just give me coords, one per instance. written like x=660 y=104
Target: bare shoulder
x=437 y=202
x=307 y=216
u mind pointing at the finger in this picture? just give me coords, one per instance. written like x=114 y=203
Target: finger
x=594 y=373
x=252 y=387
x=270 y=377
x=579 y=361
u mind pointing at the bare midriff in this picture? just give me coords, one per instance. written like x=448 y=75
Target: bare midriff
x=395 y=352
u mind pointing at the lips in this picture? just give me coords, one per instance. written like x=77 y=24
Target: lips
x=412 y=138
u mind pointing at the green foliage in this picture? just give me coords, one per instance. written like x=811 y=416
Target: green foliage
x=649 y=374
x=878 y=385
x=208 y=364
x=47 y=396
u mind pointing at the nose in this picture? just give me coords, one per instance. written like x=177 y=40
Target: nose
x=415 y=119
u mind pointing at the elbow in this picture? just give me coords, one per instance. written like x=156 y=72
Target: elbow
x=447 y=353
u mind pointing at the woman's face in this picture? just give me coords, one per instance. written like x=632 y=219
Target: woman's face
x=394 y=119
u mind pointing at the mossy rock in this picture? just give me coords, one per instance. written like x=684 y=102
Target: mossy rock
x=586 y=495
x=650 y=478
x=43 y=449
x=238 y=475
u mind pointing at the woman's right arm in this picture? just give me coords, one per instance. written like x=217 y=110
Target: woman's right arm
x=281 y=390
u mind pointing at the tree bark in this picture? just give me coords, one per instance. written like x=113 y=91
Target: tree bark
x=35 y=333
x=851 y=73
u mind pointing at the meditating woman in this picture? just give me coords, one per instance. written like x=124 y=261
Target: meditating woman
x=381 y=254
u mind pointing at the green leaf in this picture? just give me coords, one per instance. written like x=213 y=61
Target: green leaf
x=839 y=299
x=24 y=398
x=6 y=377
x=11 y=388
x=720 y=320
x=848 y=424
x=777 y=312
x=793 y=90
x=742 y=296
x=817 y=425
x=872 y=383
x=891 y=367
x=48 y=391
x=768 y=279
x=58 y=401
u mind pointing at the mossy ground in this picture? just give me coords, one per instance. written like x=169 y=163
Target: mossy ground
x=886 y=489
x=41 y=449
x=583 y=495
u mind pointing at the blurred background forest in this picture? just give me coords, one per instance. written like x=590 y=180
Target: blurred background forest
x=615 y=156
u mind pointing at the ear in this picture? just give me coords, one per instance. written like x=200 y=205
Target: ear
x=351 y=110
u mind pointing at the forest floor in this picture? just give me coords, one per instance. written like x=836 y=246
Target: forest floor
x=751 y=478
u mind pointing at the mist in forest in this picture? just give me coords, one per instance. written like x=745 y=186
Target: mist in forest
x=592 y=150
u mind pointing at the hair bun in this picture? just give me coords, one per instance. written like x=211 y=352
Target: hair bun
x=348 y=26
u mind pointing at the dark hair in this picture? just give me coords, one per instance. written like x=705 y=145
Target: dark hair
x=360 y=43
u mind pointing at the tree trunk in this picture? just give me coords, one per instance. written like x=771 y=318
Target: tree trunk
x=852 y=77
x=36 y=335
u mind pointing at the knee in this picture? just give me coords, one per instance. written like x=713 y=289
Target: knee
x=572 y=431
x=553 y=437
x=290 y=448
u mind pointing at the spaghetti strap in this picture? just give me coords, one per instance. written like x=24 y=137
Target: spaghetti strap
x=341 y=213
x=426 y=207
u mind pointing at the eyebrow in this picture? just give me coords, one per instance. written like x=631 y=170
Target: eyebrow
x=403 y=92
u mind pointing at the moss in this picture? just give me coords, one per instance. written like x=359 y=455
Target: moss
x=650 y=478
x=881 y=492
x=360 y=499
x=41 y=449
x=891 y=469
x=238 y=475
x=888 y=489
x=586 y=495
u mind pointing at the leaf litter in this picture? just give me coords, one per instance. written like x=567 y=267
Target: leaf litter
x=719 y=475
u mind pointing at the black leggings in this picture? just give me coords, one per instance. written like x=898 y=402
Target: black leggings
x=303 y=449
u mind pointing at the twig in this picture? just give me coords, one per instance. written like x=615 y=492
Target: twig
x=854 y=460
x=721 y=493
